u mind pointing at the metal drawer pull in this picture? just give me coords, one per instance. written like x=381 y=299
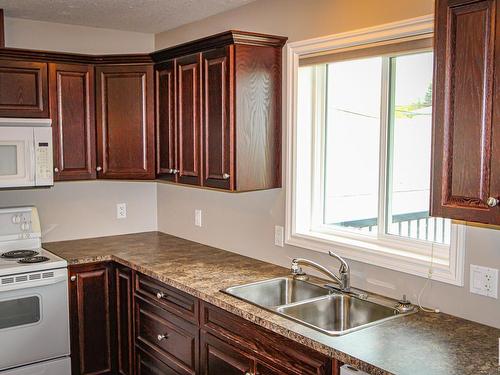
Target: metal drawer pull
x=249 y=373
x=173 y=171
x=160 y=295
x=162 y=337
x=98 y=169
x=226 y=176
x=492 y=202
x=72 y=278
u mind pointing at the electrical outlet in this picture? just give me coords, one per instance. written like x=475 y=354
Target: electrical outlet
x=121 y=211
x=197 y=218
x=484 y=281
x=278 y=235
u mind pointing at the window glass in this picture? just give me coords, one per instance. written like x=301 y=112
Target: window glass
x=409 y=150
x=352 y=144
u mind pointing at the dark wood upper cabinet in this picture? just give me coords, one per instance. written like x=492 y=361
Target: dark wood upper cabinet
x=24 y=89
x=92 y=319
x=125 y=121
x=228 y=93
x=466 y=133
x=189 y=118
x=166 y=131
x=218 y=124
x=73 y=121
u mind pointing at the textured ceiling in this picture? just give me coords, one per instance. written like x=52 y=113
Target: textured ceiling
x=149 y=16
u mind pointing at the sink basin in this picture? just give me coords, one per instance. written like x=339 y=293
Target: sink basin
x=338 y=313
x=277 y=292
x=331 y=312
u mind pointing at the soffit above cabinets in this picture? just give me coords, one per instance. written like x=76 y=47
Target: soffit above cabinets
x=147 y=16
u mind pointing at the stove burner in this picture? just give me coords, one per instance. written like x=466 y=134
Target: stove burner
x=16 y=254
x=35 y=259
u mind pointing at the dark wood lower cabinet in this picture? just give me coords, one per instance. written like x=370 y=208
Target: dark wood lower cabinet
x=123 y=322
x=92 y=319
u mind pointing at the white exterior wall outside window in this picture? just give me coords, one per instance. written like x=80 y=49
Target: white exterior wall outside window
x=358 y=153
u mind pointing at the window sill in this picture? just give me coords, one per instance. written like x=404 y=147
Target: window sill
x=388 y=257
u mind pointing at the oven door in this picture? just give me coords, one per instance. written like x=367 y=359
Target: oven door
x=17 y=157
x=34 y=319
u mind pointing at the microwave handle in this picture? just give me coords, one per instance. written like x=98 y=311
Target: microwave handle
x=32 y=156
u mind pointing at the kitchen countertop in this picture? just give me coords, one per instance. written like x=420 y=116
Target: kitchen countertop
x=421 y=343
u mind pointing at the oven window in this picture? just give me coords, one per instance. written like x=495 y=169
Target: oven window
x=18 y=312
x=8 y=160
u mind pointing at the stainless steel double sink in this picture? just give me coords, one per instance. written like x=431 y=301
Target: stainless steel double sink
x=326 y=310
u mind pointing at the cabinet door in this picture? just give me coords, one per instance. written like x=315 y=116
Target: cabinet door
x=217 y=357
x=188 y=118
x=466 y=172
x=124 y=320
x=24 y=89
x=218 y=118
x=91 y=313
x=149 y=365
x=166 y=133
x=73 y=122
x=125 y=122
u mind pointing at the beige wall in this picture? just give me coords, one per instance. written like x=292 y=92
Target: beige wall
x=244 y=223
x=73 y=210
x=21 y=33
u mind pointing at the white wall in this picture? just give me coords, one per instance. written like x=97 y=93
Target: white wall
x=83 y=209
x=244 y=223
x=48 y=36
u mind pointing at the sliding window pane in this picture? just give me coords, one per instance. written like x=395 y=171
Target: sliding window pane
x=410 y=131
x=352 y=144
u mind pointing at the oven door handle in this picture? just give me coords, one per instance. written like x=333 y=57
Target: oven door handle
x=34 y=283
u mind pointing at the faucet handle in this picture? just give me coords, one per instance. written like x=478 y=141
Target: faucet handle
x=297 y=272
x=344 y=267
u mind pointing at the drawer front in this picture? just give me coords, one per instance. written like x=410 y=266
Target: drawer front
x=149 y=365
x=170 y=338
x=172 y=300
x=266 y=345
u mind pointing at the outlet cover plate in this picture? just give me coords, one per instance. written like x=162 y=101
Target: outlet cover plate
x=484 y=281
x=279 y=235
x=121 y=211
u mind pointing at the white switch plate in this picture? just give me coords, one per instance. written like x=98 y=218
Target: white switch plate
x=121 y=211
x=278 y=235
x=484 y=281
x=197 y=218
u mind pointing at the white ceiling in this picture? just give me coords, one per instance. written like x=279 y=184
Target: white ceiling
x=149 y=16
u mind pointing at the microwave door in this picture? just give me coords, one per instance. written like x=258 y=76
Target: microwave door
x=16 y=157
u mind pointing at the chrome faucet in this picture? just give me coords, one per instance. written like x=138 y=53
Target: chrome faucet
x=344 y=278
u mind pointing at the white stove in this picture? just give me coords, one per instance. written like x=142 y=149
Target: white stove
x=33 y=299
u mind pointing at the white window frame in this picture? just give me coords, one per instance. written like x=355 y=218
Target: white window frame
x=404 y=255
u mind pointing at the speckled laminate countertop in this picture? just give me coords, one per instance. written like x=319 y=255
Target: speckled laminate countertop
x=422 y=343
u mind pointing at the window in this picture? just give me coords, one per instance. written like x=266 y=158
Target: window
x=359 y=154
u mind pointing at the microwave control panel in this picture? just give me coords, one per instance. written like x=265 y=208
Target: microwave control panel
x=43 y=157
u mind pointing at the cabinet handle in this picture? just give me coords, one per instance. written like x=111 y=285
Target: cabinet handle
x=226 y=176
x=492 y=202
x=160 y=295
x=56 y=169
x=98 y=169
x=249 y=373
x=162 y=337
x=173 y=171
x=72 y=278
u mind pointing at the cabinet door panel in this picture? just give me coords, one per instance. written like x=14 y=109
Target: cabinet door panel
x=124 y=320
x=166 y=146
x=24 y=89
x=188 y=117
x=73 y=122
x=125 y=122
x=463 y=107
x=218 y=120
x=90 y=320
x=217 y=357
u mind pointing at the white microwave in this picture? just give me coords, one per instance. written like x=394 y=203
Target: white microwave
x=25 y=153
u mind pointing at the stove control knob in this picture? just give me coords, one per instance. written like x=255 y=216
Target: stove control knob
x=16 y=219
x=25 y=226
